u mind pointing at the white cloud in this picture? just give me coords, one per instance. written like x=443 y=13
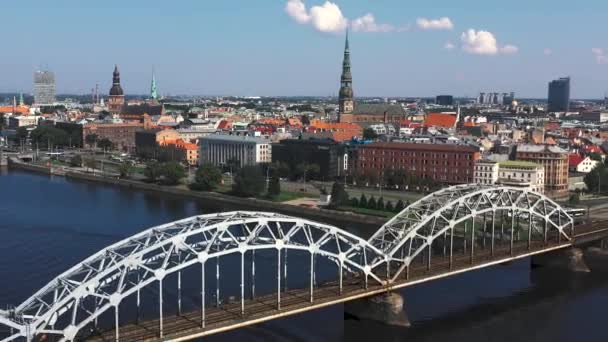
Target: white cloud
x=449 y=46
x=328 y=18
x=443 y=23
x=367 y=23
x=601 y=55
x=547 y=52
x=297 y=10
x=509 y=49
x=324 y=18
x=484 y=43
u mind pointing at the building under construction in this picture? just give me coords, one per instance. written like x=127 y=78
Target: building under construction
x=44 y=87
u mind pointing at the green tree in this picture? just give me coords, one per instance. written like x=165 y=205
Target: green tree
x=105 y=144
x=233 y=165
x=369 y=134
x=91 y=139
x=76 y=161
x=363 y=201
x=249 y=182
x=153 y=171
x=380 y=204
x=207 y=178
x=389 y=206
x=371 y=204
x=596 y=156
x=126 y=170
x=279 y=168
x=90 y=163
x=399 y=206
x=172 y=173
x=574 y=199
x=597 y=179
x=48 y=136
x=354 y=202
x=339 y=196
x=274 y=186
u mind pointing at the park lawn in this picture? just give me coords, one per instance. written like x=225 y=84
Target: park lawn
x=370 y=212
x=286 y=196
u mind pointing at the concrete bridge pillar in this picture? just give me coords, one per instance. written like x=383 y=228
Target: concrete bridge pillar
x=387 y=308
x=572 y=259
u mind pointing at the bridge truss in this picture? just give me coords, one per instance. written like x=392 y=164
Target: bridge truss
x=99 y=284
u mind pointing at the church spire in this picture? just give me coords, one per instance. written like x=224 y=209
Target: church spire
x=345 y=100
x=21 y=103
x=153 y=93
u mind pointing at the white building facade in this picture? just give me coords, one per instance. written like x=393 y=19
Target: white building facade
x=486 y=172
x=517 y=174
x=219 y=149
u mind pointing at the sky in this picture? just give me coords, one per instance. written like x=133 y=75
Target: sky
x=295 y=47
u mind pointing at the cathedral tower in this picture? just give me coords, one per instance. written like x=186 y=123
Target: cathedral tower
x=117 y=98
x=345 y=98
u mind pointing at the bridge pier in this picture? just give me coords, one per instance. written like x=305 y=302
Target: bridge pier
x=387 y=308
x=572 y=259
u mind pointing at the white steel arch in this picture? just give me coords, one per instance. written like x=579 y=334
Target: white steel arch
x=78 y=296
x=415 y=229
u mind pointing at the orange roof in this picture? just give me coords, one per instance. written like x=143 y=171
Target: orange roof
x=335 y=125
x=440 y=120
x=469 y=124
x=179 y=143
x=24 y=110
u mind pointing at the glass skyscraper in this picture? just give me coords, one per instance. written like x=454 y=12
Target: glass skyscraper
x=559 y=95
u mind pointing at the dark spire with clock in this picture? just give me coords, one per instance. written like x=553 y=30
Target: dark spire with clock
x=345 y=99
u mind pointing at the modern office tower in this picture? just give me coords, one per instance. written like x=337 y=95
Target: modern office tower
x=44 y=87
x=559 y=95
x=444 y=100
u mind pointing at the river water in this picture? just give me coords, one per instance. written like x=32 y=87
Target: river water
x=47 y=224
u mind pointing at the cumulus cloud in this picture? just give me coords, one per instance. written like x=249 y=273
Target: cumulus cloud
x=484 y=43
x=367 y=23
x=329 y=18
x=297 y=10
x=449 y=46
x=443 y=23
x=324 y=18
x=600 y=55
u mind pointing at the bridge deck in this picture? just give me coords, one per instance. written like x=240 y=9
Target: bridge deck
x=264 y=308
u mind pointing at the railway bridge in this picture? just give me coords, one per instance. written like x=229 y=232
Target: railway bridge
x=212 y=273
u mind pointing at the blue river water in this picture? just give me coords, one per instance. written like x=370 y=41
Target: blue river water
x=47 y=224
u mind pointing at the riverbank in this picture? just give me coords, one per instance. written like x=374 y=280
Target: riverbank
x=252 y=204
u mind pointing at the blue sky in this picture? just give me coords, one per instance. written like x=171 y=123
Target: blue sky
x=264 y=47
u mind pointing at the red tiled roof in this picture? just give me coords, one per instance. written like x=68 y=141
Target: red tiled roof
x=574 y=160
x=593 y=149
x=440 y=120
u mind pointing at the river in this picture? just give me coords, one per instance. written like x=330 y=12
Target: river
x=47 y=224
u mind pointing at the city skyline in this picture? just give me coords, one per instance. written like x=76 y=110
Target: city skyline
x=294 y=48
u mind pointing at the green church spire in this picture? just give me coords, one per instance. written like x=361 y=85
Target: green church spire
x=153 y=93
x=21 y=99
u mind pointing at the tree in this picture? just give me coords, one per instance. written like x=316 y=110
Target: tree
x=380 y=204
x=280 y=169
x=105 y=144
x=274 y=186
x=76 y=161
x=389 y=206
x=399 y=206
x=172 y=173
x=152 y=171
x=90 y=163
x=371 y=204
x=597 y=179
x=339 y=196
x=596 y=156
x=125 y=170
x=207 y=178
x=369 y=134
x=574 y=199
x=48 y=136
x=249 y=182
x=363 y=201
x=354 y=202
x=91 y=139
